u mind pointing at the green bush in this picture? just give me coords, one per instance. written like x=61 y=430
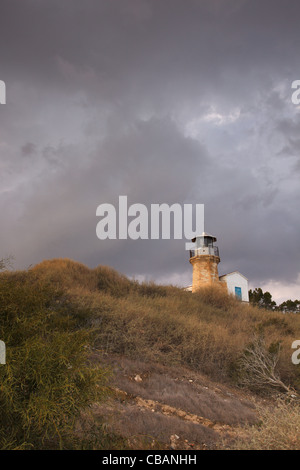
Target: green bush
x=47 y=379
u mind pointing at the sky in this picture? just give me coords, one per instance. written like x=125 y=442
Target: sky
x=164 y=101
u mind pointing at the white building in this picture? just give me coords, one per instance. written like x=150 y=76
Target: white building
x=237 y=284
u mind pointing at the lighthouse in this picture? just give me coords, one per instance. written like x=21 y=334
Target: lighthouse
x=205 y=259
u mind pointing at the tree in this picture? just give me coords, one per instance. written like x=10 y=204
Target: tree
x=290 y=306
x=261 y=299
x=258 y=366
x=6 y=262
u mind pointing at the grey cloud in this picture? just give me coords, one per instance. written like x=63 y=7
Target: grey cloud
x=164 y=102
x=28 y=149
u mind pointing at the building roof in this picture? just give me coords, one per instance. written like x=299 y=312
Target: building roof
x=204 y=234
x=233 y=272
x=188 y=288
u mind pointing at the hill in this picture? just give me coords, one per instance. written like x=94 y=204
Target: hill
x=130 y=365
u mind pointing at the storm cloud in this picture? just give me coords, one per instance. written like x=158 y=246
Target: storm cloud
x=163 y=101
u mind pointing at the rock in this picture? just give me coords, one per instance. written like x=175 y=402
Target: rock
x=173 y=440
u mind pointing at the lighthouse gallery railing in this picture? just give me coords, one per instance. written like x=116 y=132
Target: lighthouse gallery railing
x=208 y=250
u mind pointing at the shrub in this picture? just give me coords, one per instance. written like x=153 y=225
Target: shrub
x=278 y=429
x=258 y=366
x=47 y=378
x=112 y=282
x=152 y=290
x=50 y=315
x=65 y=274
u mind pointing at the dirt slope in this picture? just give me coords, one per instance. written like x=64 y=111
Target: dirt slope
x=171 y=407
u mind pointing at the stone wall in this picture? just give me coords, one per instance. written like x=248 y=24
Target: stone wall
x=205 y=271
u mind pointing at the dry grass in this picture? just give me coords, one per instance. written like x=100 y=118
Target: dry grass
x=152 y=403
x=149 y=428
x=182 y=389
x=278 y=429
x=59 y=302
x=207 y=331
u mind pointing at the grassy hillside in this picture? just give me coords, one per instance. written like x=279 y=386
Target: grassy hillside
x=206 y=331
x=55 y=315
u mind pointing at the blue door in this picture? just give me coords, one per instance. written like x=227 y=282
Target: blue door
x=238 y=293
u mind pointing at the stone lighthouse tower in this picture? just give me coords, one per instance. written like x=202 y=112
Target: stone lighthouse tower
x=205 y=259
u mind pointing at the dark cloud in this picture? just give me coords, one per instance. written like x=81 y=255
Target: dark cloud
x=28 y=149
x=161 y=101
